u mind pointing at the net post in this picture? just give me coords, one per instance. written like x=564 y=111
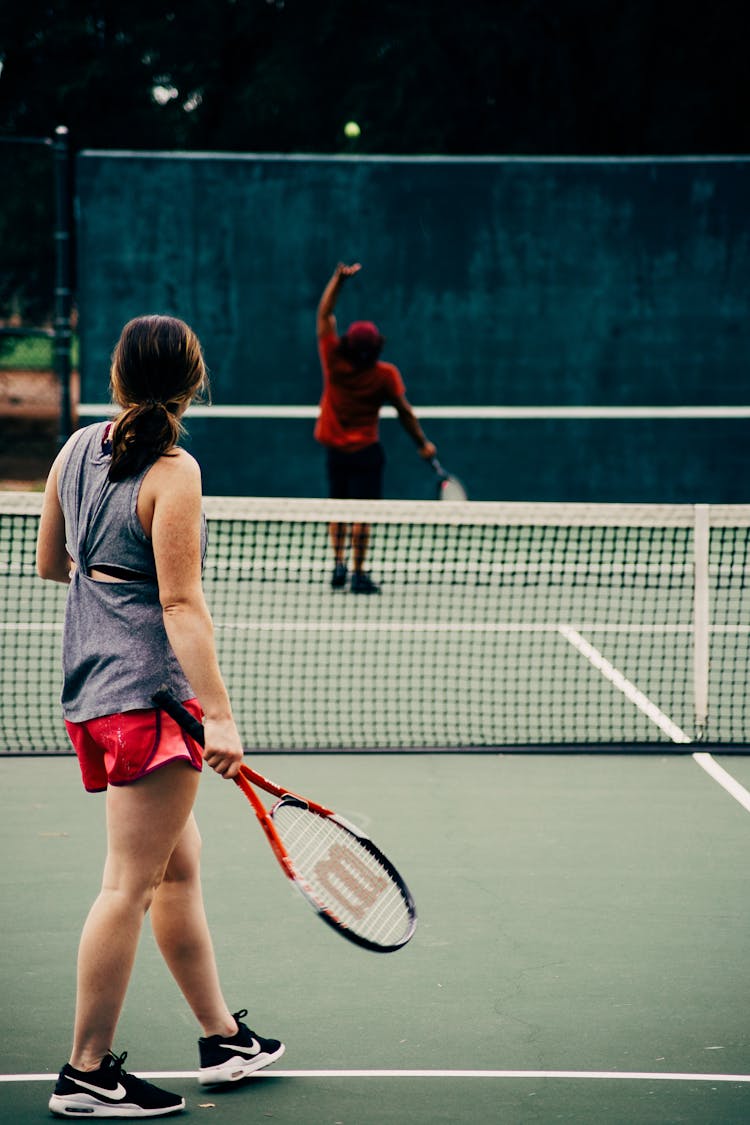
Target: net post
x=63 y=291
x=701 y=618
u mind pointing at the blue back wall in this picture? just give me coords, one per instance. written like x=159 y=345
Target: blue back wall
x=496 y=281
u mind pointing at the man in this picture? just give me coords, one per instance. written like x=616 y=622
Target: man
x=356 y=384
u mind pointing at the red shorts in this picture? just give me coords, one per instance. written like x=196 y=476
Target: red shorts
x=118 y=749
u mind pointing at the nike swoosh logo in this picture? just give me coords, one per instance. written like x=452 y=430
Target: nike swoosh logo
x=252 y=1050
x=115 y=1095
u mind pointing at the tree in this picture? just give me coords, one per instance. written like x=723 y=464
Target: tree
x=420 y=76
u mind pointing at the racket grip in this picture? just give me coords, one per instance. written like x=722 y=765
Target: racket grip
x=164 y=699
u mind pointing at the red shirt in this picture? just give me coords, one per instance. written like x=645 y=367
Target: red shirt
x=351 y=400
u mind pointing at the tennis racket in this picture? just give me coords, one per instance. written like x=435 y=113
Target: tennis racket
x=448 y=486
x=344 y=877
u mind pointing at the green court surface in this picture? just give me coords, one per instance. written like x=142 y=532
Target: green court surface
x=581 y=953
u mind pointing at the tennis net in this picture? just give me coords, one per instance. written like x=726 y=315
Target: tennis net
x=497 y=625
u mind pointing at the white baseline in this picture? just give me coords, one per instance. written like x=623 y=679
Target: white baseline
x=583 y=1075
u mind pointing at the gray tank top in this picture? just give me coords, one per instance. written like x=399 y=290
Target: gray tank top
x=115 y=648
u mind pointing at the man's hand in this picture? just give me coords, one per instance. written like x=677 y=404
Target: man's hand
x=343 y=271
x=325 y=322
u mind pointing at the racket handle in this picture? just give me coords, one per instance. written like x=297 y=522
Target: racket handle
x=438 y=467
x=163 y=698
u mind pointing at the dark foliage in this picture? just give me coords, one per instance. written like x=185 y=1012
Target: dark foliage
x=584 y=77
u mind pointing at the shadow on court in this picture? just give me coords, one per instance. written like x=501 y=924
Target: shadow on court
x=583 y=914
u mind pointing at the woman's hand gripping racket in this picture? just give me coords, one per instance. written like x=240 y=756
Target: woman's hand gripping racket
x=344 y=877
x=448 y=487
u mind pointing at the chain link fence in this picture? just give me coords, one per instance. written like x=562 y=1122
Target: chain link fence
x=37 y=387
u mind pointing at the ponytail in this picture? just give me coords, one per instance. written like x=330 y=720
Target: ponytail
x=141 y=435
x=157 y=371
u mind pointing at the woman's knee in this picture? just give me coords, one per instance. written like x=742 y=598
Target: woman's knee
x=185 y=861
x=136 y=885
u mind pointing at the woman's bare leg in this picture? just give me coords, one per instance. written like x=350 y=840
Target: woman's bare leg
x=145 y=822
x=178 y=919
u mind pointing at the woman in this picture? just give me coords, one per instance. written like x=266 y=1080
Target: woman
x=122 y=525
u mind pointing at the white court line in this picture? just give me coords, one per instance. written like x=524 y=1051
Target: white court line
x=583 y=1075
x=628 y=689
x=30 y=627
x=725 y=780
x=644 y=704
x=384 y=627
x=457 y=627
x=306 y=625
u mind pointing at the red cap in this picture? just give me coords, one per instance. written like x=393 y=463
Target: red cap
x=363 y=334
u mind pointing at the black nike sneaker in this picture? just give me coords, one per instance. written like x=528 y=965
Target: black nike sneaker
x=227 y=1058
x=110 y=1092
x=363 y=584
x=338 y=578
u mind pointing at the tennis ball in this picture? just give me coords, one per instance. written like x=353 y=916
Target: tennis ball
x=352 y=129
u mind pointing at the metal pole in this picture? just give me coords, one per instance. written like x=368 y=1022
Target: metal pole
x=701 y=620
x=63 y=292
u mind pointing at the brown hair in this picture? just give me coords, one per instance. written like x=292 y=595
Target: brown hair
x=157 y=369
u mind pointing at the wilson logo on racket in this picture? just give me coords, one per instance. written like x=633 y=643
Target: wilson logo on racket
x=330 y=861
x=344 y=876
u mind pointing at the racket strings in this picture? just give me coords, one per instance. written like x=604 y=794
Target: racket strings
x=343 y=876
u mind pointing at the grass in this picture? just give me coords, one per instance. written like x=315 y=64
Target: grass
x=30 y=353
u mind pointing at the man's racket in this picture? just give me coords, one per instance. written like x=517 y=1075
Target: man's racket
x=344 y=877
x=448 y=486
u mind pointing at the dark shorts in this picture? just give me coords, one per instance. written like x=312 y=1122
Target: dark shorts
x=118 y=749
x=356 y=476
